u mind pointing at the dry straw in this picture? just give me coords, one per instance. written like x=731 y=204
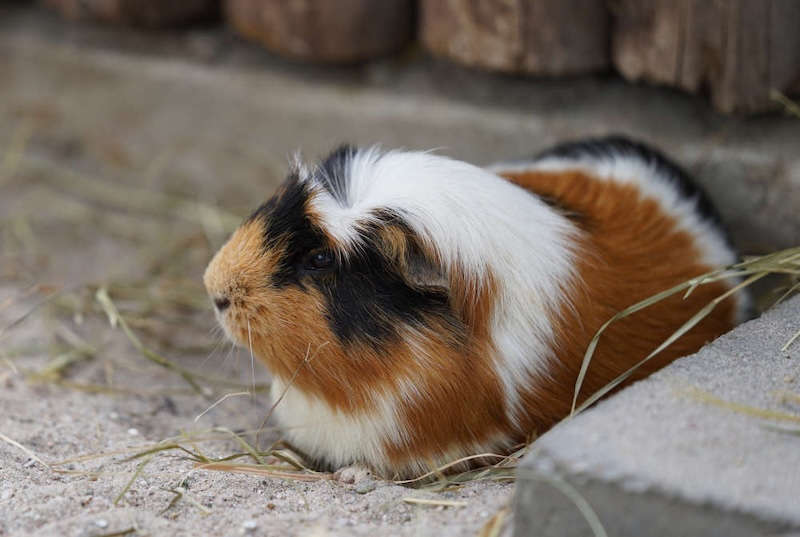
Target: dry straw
x=786 y=262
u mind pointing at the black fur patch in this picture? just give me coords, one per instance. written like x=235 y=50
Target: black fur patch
x=368 y=301
x=367 y=297
x=620 y=146
x=332 y=172
x=285 y=219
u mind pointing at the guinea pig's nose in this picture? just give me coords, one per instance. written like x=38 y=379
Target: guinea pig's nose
x=222 y=303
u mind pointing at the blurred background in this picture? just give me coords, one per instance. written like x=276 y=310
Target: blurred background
x=125 y=118
x=135 y=134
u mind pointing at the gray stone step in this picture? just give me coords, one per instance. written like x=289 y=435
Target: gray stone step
x=666 y=456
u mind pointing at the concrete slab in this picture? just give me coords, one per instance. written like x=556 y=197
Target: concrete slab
x=672 y=455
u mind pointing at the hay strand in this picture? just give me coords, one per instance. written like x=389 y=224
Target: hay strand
x=783 y=262
x=435 y=503
x=789 y=106
x=25 y=450
x=495 y=525
x=265 y=470
x=763 y=413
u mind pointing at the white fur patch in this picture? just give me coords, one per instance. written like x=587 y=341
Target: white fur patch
x=342 y=439
x=477 y=222
x=354 y=440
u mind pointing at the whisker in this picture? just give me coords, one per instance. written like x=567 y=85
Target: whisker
x=252 y=357
x=228 y=356
x=214 y=330
x=213 y=351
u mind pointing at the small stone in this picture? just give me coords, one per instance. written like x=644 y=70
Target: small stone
x=29 y=463
x=113 y=415
x=249 y=526
x=133 y=431
x=366 y=486
x=6 y=494
x=101 y=523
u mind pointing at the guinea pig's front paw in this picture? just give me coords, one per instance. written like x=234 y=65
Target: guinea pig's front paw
x=352 y=474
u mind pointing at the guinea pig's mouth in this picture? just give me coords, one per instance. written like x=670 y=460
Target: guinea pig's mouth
x=239 y=321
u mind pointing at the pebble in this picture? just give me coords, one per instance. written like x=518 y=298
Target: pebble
x=249 y=526
x=101 y=523
x=29 y=463
x=366 y=486
x=6 y=494
x=133 y=431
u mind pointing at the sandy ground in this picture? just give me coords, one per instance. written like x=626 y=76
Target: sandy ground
x=130 y=181
x=78 y=499
x=56 y=238
x=71 y=385
x=54 y=423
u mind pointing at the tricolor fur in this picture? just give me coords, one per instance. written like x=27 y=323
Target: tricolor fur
x=416 y=309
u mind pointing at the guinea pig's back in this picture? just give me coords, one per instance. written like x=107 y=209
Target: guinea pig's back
x=645 y=227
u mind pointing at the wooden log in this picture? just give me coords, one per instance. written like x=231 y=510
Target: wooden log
x=144 y=13
x=542 y=37
x=736 y=50
x=341 y=31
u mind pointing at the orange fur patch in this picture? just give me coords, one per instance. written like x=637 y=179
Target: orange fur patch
x=474 y=301
x=631 y=250
x=241 y=264
x=461 y=402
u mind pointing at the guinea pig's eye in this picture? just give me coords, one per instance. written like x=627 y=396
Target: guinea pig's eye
x=319 y=260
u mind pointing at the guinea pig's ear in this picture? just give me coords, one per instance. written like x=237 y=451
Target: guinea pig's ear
x=421 y=271
x=421 y=268
x=417 y=267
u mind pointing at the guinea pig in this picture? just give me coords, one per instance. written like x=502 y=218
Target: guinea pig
x=414 y=309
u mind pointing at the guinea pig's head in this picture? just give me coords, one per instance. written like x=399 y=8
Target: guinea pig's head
x=336 y=271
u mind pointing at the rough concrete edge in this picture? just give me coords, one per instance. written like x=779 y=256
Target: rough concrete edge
x=548 y=494
x=548 y=506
